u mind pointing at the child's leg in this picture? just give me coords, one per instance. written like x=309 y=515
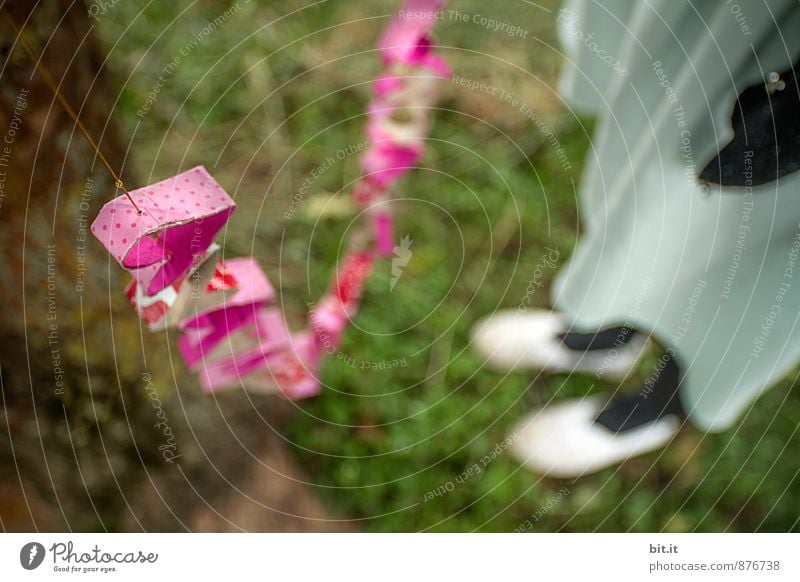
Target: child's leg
x=604 y=339
x=657 y=399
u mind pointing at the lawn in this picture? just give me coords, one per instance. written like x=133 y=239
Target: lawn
x=409 y=432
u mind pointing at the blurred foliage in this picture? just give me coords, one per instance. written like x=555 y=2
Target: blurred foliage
x=278 y=87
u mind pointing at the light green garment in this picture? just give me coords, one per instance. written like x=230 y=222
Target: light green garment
x=713 y=273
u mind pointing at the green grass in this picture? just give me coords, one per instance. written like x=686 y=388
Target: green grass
x=261 y=111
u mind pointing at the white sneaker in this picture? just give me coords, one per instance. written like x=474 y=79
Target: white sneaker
x=564 y=441
x=509 y=340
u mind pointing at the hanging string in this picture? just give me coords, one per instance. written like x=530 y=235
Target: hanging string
x=50 y=82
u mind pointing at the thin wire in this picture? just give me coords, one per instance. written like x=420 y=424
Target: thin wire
x=48 y=79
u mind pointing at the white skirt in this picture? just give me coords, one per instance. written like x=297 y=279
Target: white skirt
x=713 y=272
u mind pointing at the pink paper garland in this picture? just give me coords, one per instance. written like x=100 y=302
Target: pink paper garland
x=232 y=335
